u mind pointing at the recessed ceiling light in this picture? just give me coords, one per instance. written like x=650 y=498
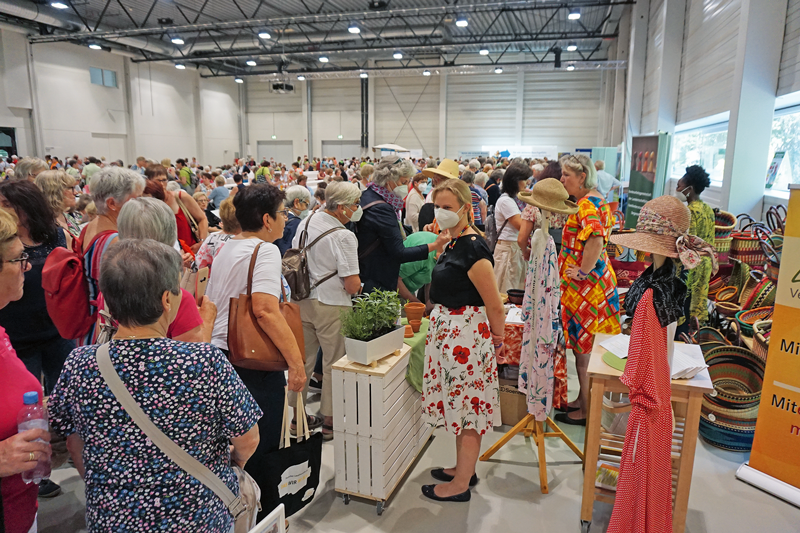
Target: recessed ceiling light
x=323 y=59
x=364 y=75
x=462 y=21
x=571 y=47
x=484 y=52
x=180 y=66
x=251 y=63
x=398 y=55
x=59 y=5
x=498 y=70
x=301 y=78
x=353 y=28
x=238 y=80
x=177 y=40
x=95 y=46
x=574 y=13
x=264 y=34
x=571 y=67
x=426 y=72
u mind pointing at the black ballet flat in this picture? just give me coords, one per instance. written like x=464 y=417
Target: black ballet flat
x=566 y=409
x=563 y=418
x=438 y=473
x=428 y=492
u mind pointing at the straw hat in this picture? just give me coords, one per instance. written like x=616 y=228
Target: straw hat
x=550 y=195
x=446 y=169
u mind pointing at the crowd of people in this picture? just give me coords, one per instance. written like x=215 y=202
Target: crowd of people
x=411 y=226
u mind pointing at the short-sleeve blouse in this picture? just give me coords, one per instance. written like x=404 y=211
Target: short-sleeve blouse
x=450 y=283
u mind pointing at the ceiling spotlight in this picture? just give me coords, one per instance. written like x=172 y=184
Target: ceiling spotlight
x=364 y=75
x=462 y=21
x=570 y=67
x=574 y=13
x=59 y=5
x=484 y=52
x=95 y=46
x=301 y=78
x=498 y=70
x=571 y=47
x=353 y=28
x=398 y=55
x=177 y=40
x=323 y=59
x=251 y=63
x=238 y=80
x=264 y=34
x=426 y=72
x=180 y=66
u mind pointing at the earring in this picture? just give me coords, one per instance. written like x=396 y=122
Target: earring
x=269 y=230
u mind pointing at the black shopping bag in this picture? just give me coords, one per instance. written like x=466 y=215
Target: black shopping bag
x=290 y=475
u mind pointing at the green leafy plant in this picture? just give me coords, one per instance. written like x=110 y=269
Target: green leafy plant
x=372 y=315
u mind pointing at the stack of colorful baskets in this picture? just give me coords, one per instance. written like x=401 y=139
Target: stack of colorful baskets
x=724 y=223
x=747 y=318
x=746 y=243
x=728 y=415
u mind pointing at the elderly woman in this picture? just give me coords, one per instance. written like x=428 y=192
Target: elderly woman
x=29 y=167
x=478 y=204
x=59 y=190
x=202 y=201
x=230 y=228
x=492 y=187
x=189 y=390
x=260 y=214
x=297 y=202
x=509 y=263
x=333 y=272
x=415 y=200
x=380 y=238
x=589 y=299
x=19 y=452
x=366 y=176
x=218 y=193
x=190 y=218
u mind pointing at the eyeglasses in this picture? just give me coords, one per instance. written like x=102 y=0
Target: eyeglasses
x=22 y=260
x=284 y=213
x=163 y=180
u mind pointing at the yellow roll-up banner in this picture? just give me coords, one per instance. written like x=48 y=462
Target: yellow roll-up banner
x=776 y=446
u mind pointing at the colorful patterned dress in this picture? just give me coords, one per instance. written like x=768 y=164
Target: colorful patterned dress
x=702 y=225
x=590 y=306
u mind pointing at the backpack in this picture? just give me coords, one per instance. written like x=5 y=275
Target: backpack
x=492 y=234
x=295 y=265
x=66 y=290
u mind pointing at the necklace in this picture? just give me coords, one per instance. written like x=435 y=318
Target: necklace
x=453 y=241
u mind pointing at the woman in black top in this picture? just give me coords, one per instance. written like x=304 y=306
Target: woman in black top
x=460 y=388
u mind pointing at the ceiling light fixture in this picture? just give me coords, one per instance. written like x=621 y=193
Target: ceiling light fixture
x=264 y=34
x=398 y=55
x=180 y=66
x=574 y=13
x=484 y=52
x=462 y=21
x=177 y=40
x=301 y=78
x=353 y=28
x=59 y=5
x=426 y=72
x=570 y=67
x=95 y=46
x=323 y=59
x=498 y=70
x=238 y=80
x=364 y=75
x=571 y=47
x=251 y=63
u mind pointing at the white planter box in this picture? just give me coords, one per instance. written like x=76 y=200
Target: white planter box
x=365 y=352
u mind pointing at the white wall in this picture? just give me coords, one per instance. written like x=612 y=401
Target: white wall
x=276 y=114
x=15 y=96
x=219 y=110
x=407 y=112
x=335 y=110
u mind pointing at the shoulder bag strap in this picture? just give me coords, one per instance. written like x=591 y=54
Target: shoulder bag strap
x=304 y=233
x=192 y=222
x=250 y=270
x=188 y=463
x=376 y=202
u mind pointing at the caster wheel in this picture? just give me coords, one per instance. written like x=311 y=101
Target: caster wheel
x=585 y=525
x=346 y=499
x=379 y=508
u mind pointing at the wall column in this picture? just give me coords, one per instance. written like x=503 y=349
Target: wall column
x=520 y=107
x=635 y=89
x=674 y=20
x=244 y=138
x=442 y=117
x=623 y=46
x=306 y=106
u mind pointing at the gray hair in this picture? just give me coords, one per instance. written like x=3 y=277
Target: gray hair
x=173 y=186
x=481 y=178
x=538 y=167
x=296 y=192
x=392 y=168
x=27 y=166
x=147 y=218
x=341 y=193
x=151 y=268
x=497 y=175
x=581 y=163
x=468 y=177
x=114 y=182
x=474 y=165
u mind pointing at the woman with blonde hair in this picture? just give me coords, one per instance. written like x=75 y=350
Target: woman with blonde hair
x=214 y=242
x=366 y=176
x=58 y=188
x=460 y=388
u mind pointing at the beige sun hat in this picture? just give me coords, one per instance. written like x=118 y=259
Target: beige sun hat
x=550 y=195
x=446 y=169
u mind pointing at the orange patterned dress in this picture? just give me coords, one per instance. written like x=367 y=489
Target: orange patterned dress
x=590 y=306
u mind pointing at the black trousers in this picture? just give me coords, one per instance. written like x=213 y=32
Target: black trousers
x=46 y=359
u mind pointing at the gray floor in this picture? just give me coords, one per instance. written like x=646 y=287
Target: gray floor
x=507 y=499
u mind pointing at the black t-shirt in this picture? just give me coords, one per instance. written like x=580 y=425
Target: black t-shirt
x=450 y=284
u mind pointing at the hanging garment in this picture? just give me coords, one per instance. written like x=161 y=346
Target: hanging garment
x=540 y=336
x=644 y=490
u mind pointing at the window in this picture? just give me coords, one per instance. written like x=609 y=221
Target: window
x=703 y=146
x=786 y=138
x=104 y=77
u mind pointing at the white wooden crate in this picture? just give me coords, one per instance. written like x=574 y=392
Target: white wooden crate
x=379 y=426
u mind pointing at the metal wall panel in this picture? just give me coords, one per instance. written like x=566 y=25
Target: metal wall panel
x=710 y=43
x=261 y=100
x=336 y=95
x=789 y=77
x=652 y=73
x=407 y=113
x=561 y=108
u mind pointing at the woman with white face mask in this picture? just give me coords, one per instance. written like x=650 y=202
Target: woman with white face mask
x=380 y=236
x=460 y=388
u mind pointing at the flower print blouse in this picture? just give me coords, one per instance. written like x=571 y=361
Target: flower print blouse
x=192 y=393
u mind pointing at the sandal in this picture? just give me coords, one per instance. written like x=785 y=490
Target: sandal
x=313 y=423
x=329 y=435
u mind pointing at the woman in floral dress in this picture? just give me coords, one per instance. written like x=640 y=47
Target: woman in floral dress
x=460 y=389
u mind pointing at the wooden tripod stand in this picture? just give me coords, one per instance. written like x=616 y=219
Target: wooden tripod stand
x=531 y=428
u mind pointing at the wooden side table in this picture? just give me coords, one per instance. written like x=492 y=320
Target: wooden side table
x=687 y=397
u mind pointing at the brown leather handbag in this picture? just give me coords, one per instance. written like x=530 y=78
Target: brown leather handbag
x=248 y=344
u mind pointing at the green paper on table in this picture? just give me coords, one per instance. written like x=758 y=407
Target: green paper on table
x=617 y=363
x=416 y=360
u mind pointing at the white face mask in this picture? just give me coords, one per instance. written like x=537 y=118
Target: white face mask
x=681 y=195
x=401 y=191
x=356 y=215
x=303 y=213
x=447 y=219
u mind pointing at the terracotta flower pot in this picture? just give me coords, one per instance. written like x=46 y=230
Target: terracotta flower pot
x=415 y=324
x=409 y=332
x=414 y=311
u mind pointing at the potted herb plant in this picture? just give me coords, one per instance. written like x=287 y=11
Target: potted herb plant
x=370 y=328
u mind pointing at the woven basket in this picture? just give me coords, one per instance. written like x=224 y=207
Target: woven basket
x=762 y=295
x=761 y=334
x=727 y=294
x=747 y=318
x=745 y=244
x=724 y=223
x=708 y=335
x=728 y=309
x=723 y=248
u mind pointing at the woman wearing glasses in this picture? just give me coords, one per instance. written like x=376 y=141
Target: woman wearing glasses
x=589 y=299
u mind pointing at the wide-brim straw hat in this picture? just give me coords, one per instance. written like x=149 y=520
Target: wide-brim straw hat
x=661 y=221
x=550 y=195
x=446 y=169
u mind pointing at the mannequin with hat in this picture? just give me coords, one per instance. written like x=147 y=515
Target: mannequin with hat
x=644 y=490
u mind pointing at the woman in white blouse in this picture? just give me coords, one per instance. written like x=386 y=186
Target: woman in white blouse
x=415 y=200
x=509 y=263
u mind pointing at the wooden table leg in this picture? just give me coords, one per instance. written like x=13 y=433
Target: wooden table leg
x=592 y=445
x=691 y=427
